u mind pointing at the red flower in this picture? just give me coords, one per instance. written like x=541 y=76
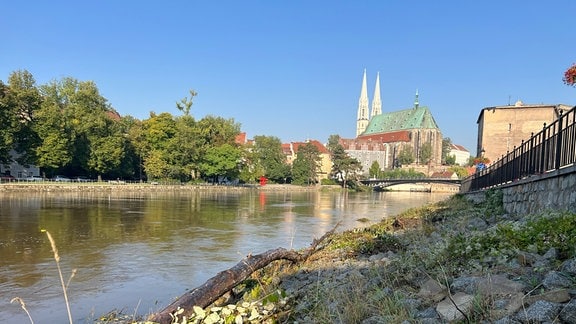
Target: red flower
x=570 y=76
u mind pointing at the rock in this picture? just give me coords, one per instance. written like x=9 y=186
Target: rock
x=498 y=285
x=555 y=296
x=450 y=309
x=568 y=312
x=540 y=311
x=569 y=267
x=433 y=291
x=555 y=279
x=468 y=285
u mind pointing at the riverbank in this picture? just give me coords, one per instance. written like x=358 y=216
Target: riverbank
x=454 y=261
x=145 y=187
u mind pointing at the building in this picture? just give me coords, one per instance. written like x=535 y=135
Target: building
x=291 y=151
x=381 y=136
x=501 y=128
x=460 y=153
x=17 y=170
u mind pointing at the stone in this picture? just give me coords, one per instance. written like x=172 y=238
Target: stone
x=568 y=312
x=555 y=279
x=540 y=311
x=465 y=284
x=450 y=309
x=569 y=267
x=498 y=285
x=432 y=290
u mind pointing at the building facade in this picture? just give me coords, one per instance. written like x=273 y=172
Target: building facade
x=382 y=136
x=501 y=128
x=460 y=153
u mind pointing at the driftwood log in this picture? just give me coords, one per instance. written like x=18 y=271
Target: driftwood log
x=224 y=281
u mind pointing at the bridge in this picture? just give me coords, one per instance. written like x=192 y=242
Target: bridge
x=382 y=184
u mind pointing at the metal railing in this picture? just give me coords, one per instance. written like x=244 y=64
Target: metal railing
x=551 y=149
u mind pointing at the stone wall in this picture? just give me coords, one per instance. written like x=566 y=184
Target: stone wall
x=551 y=191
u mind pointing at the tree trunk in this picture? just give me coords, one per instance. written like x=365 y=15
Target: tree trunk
x=224 y=281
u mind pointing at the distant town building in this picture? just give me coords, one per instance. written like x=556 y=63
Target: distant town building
x=460 y=153
x=291 y=150
x=17 y=170
x=381 y=136
x=501 y=128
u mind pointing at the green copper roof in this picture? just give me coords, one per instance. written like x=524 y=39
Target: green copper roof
x=413 y=118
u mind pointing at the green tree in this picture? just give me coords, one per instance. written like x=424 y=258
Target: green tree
x=185 y=104
x=450 y=159
x=344 y=167
x=425 y=153
x=268 y=151
x=375 y=171
x=221 y=161
x=406 y=155
x=306 y=165
x=446 y=148
x=461 y=171
x=157 y=133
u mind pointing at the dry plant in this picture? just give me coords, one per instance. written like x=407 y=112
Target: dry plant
x=64 y=286
x=23 y=305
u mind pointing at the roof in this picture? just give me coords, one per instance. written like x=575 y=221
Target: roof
x=457 y=147
x=389 y=137
x=321 y=148
x=413 y=118
x=443 y=175
x=520 y=105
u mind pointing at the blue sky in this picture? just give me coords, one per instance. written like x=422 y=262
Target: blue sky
x=293 y=69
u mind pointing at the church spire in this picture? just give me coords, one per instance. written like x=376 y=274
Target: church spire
x=376 y=101
x=362 y=121
x=416 y=103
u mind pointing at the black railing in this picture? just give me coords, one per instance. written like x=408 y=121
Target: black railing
x=551 y=149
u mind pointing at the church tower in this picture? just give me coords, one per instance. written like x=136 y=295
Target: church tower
x=362 y=121
x=376 y=102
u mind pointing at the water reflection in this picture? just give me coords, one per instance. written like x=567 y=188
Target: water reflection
x=141 y=250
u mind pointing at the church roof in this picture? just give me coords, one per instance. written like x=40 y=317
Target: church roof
x=413 y=118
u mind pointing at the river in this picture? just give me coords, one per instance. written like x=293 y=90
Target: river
x=136 y=252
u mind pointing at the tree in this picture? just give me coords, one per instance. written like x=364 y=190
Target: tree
x=344 y=167
x=446 y=148
x=406 y=156
x=19 y=100
x=306 y=165
x=375 y=170
x=268 y=151
x=450 y=159
x=185 y=104
x=425 y=153
x=570 y=76
x=221 y=161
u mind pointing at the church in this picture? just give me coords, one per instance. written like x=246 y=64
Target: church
x=382 y=136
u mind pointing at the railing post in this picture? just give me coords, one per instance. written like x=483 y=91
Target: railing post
x=558 y=161
x=543 y=151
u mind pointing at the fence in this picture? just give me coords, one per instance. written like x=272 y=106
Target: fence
x=551 y=149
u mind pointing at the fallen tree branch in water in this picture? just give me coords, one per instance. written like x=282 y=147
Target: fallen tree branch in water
x=224 y=281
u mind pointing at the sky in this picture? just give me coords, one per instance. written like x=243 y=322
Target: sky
x=293 y=69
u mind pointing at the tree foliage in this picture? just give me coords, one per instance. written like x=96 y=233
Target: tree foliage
x=570 y=76
x=271 y=158
x=375 y=171
x=306 y=165
x=344 y=167
x=406 y=155
x=221 y=161
x=446 y=148
x=425 y=153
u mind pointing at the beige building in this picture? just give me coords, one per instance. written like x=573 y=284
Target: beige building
x=291 y=150
x=501 y=128
x=460 y=153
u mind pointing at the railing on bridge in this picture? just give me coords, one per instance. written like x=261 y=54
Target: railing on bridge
x=551 y=149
